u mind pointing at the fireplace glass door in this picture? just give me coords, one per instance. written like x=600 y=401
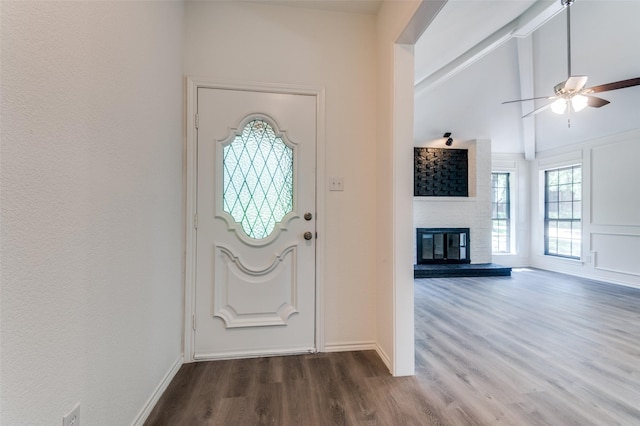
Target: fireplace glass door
x=440 y=245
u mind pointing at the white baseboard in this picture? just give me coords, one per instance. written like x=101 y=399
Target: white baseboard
x=157 y=393
x=351 y=346
x=360 y=346
x=384 y=357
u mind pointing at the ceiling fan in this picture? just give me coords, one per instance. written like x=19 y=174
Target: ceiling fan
x=571 y=94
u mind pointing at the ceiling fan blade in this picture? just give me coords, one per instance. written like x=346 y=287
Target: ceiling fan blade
x=529 y=99
x=575 y=83
x=537 y=110
x=596 y=102
x=614 y=86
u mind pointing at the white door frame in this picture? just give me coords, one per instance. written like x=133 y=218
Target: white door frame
x=191 y=176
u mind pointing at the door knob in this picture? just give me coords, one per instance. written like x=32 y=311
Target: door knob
x=308 y=235
x=308 y=216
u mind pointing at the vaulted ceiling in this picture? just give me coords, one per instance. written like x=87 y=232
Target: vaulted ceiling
x=478 y=53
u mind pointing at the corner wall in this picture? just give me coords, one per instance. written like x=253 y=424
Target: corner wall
x=92 y=209
x=394 y=274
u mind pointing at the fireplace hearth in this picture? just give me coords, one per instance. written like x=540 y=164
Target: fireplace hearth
x=442 y=246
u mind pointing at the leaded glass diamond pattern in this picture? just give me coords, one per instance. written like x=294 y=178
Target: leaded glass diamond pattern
x=257 y=179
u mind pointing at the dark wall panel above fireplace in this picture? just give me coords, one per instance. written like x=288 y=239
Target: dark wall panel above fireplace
x=441 y=172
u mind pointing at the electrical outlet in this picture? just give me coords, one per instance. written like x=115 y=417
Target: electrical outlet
x=336 y=184
x=72 y=418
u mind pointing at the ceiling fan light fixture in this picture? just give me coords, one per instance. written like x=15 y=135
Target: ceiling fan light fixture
x=559 y=106
x=572 y=88
x=579 y=102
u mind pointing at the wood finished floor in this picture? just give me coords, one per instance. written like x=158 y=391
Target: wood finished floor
x=536 y=348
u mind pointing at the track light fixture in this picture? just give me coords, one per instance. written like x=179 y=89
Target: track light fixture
x=449 y=141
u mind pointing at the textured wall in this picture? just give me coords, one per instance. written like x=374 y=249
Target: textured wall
x=472 y=212
x=91 y=202
x=440 y=172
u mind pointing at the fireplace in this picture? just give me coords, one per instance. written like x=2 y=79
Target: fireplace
x=442 y=246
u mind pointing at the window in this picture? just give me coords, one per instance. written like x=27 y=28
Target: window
x=500 y=213
x=562 y=212
x=258 y=179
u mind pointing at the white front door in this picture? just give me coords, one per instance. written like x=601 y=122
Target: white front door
x=256 y=198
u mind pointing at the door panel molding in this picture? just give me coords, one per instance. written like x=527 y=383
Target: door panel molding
x=191 y=190
x=255 y=272
x=276 y=284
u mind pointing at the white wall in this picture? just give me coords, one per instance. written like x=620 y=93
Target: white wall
x=91 y=175
x=610 y=206
x=394 y=320
x=237 y=41
x=473 y=212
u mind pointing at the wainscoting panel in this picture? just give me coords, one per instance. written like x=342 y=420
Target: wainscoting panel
x=616 y=253
x=615 y=196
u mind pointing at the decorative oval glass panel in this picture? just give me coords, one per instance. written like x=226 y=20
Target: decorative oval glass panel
x=257 y=179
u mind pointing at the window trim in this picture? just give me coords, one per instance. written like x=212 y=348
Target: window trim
x=510 y=217
x=545 y=204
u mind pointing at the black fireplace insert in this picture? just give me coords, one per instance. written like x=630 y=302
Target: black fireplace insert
x=442 y=246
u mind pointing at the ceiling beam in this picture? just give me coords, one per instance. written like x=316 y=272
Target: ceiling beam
x=467 y=58
x=530 y=20
x=525 y=66
x=536 y=16
x=426 y=13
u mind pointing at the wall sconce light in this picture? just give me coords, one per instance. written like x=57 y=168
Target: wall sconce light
x=449 y=141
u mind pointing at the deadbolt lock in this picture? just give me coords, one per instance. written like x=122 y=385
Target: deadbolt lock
x=308 y=216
